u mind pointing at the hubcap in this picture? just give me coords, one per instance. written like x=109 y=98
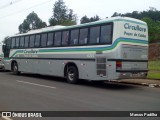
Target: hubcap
x=15 y=68
x=71 y=75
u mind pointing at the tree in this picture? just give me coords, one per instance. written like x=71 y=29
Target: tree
x=152 y=13
x=116 y=14
x=95 y=18
x=85 y=19
x=62 y=15
x=5 y=39
x=4 y=48
x=32 y=22
x=154 y=29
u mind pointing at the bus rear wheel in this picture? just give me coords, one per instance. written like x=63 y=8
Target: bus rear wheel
x=15 y=68
x=72 y=75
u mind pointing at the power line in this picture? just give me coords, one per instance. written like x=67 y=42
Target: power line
x=24 y=9
x=9 y=4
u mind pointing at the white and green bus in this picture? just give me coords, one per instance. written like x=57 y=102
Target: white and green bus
x=110 y=49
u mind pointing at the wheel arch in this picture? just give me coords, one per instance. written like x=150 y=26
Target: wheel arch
x=70 y=64
x=12 y=63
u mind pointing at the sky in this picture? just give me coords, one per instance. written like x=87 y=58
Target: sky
x=13 y=12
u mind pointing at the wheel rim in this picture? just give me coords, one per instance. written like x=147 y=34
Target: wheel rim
x=71 y=75
x=15 y=68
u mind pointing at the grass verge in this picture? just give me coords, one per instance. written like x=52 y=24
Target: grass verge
x=153 y=75
x=154 y=69
x=154 y=65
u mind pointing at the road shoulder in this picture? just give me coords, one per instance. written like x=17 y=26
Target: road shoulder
x=144 y=82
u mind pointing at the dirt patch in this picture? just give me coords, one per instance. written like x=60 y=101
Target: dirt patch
x=154 y=51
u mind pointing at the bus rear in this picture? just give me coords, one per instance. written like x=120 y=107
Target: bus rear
x=132 y=51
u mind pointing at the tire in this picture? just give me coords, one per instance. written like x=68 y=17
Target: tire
x=72 y=75
x=15 y=68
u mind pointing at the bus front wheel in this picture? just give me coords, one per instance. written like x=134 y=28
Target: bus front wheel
x=15 y=68
x=72 y=74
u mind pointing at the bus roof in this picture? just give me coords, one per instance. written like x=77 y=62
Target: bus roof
x=59 y=27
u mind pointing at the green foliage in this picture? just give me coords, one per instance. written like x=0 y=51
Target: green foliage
x=154 y=69
x=154 y=75
x=32 y=22
x=85 y=19
x=154 y=29
x=4 y=40
x=62 y=15
x=4 y=43
x=152 y=13
x=154 y=65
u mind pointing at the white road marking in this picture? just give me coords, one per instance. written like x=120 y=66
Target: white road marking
x=35 y=84
x=6 y=118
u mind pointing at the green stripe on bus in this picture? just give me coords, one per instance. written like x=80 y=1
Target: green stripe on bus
x=87 y=49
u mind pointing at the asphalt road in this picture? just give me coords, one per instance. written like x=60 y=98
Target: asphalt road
x=44 y=93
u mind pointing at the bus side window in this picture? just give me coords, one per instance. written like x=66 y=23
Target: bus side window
x=50 y=39
x=106 y=34
x=26 y=44
x=44 y=40
x=13 y=43
x=65 y=38
x=17 y=42
x=37 y=41
x=83 y=38
x=74 y=37
x=94 y=35
x=22 y=42
x=31 y=42
x=57 y=40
